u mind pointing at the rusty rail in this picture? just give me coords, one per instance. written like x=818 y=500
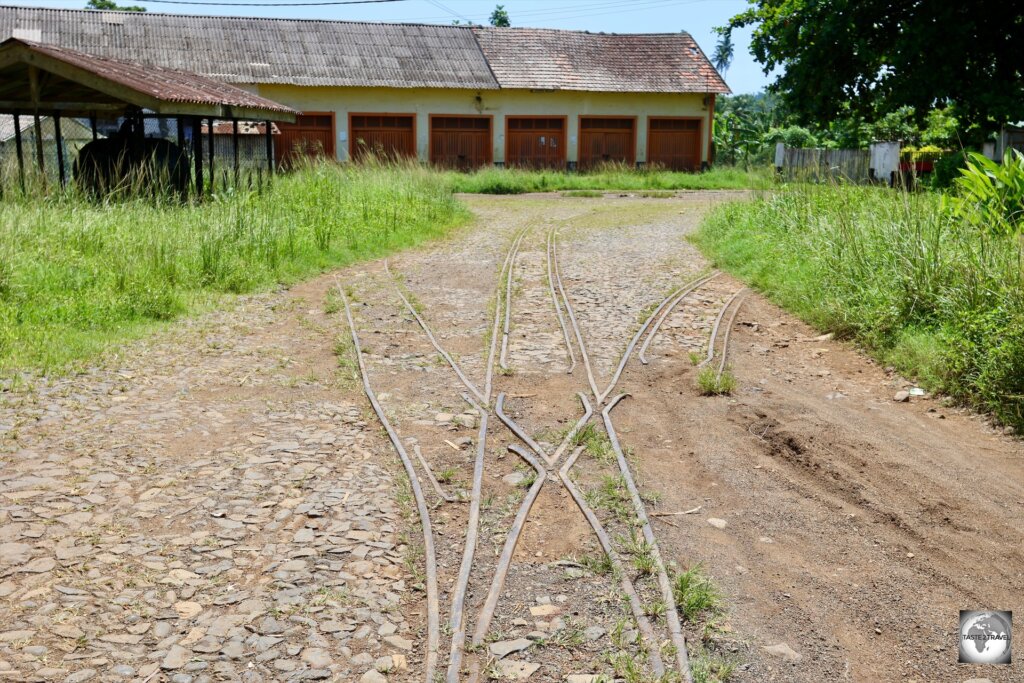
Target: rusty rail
x=728 y=331
x=714 y=329
x=483 y=622
x=667 y=596
x=503 y=357
x=668 y=311
x=647 y=633
x=573 y=321
x=430 y=475
x=558 y=307
x=472 y=529
x=433 y=605
x=433 y=340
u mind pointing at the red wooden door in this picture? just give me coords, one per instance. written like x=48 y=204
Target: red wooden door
x=535 y=142
x=674 y=144
x=461 y=142
x=607 y=140
x=385 y=136
x=311 y=136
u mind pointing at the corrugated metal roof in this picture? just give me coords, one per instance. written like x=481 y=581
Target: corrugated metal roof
x=549 y=59
x=166 y=85
x=243 y=50
x=71 y=129
x=339 y=53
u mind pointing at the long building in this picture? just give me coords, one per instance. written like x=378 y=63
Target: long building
x=455 y=96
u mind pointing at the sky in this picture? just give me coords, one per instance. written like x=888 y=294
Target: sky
x=698 y=17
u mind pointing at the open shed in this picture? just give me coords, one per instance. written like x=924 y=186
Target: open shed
x=39 y=81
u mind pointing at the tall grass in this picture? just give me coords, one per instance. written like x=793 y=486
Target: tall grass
x=76 y=275
x=610 y=177
x=935 y=295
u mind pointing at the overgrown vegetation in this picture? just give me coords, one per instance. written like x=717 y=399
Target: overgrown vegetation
x=77 y=275
x=934 y=294
x=611 y=177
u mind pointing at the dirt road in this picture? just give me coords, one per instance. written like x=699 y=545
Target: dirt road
x=221 y=503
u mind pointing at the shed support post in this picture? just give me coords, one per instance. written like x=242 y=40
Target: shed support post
x=234 y=147
x=40 y=156
x=59 y=139
x=92 y=125
x=197 y=148
x=213 y=175
x=270 y=148
x=20 y=150
x=179 y=123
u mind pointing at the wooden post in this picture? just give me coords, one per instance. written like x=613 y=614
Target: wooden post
x=92 y=124
x=19 y=149
x=182 y=159
x=60 y=150
x=33 y=84
x=197 y=148
x=270 y=149
x=213 y=174
x=234 y=143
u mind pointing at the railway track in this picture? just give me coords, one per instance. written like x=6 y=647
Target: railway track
x=472 y=596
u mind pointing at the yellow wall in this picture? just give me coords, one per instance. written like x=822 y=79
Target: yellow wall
x=496 y=103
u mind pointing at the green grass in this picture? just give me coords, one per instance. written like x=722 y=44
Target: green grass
x=938 y=297
x=77 y=276
x=613 y=177
x=710 y=383
x=695 y=594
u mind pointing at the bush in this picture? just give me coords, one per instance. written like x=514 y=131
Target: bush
x=991 y=195
x=947 y=170
x=938 y=296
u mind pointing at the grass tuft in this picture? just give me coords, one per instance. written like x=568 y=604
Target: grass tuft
x=695 y=594
x=710 y=383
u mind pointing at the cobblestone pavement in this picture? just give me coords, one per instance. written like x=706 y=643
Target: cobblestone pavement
x=210 y=506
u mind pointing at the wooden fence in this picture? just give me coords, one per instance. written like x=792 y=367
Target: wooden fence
x=820 y=165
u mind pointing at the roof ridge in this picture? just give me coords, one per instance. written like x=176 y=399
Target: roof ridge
x=461 y=27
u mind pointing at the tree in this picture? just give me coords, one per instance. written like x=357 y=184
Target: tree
x=723 y=52
x=500 y=18
x=113 y=6
x=876 y=56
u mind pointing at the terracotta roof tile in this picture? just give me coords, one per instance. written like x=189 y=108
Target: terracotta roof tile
x=548 y=59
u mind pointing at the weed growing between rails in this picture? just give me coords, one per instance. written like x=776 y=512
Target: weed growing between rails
x=917 y=285
x=77 y=275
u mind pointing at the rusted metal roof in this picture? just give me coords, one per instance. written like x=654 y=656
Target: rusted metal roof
x=548 y=59
x=115 y=81
x=252 y=50
x=340 y=53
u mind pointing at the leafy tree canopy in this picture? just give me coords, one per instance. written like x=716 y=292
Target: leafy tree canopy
x=113 y=6
x=500 y=18
x=872 y=57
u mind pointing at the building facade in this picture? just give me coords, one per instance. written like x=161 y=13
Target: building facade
x=455 y=96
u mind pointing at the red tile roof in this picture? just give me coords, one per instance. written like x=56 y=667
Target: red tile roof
x=166 y=85
x=548 y=59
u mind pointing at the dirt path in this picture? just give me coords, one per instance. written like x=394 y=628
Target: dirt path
x=220 y=502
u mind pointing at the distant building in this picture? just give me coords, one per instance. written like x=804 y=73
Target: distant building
x=456 y=96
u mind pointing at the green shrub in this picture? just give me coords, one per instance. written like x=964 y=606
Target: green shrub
x=991 y=195
x=947 y=170
x=932 y=291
